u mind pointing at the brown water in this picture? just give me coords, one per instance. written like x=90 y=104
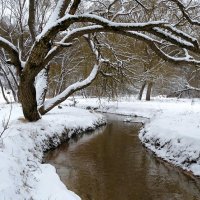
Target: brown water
x=111 y=164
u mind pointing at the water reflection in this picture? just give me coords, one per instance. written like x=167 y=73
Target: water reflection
x=111 y=164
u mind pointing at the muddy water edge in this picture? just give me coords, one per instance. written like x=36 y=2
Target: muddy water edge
x=111 y=164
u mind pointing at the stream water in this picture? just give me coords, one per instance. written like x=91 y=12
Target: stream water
x=112 y=164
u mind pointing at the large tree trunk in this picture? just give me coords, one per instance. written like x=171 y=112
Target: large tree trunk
x=149 y=88
x=141 y=90
x=28 y=98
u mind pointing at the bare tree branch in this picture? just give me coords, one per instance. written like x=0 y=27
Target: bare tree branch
x=13 y=53
x=51 y=103
x=185 y=13
x=74 y=7
x=31 y=19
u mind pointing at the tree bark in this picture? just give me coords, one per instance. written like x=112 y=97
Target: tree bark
x=28 y=98
x=141 y=90
x=149 y=89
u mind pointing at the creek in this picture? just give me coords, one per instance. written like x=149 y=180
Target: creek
x=112 y=164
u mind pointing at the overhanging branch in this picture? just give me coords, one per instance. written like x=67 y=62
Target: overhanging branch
x=13 y=53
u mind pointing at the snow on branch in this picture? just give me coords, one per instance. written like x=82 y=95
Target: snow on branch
x=189 y=87
x=12 y=51
x=187 y=59
x=181 y=34
x=49 y=104
x=64 y=22
x=105 y=22
x=58 y=12
x=63 y=44
x=158 y=28
x=78 y=32
x=7 y=44
x=174 y=39
x=153 y=44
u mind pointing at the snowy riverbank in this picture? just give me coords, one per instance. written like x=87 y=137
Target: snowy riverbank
x=173 y=131
x=22 y=146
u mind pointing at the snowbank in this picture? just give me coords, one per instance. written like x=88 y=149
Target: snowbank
x=174 y=135
x=173 y=131
x=23 y=144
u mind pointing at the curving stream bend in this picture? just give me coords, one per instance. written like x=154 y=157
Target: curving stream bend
x=112 y=164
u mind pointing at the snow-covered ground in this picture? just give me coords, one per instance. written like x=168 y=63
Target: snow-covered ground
x=172 y=131
x=22 y=145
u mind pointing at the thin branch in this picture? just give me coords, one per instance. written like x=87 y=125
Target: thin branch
x=185 y=13
x=3 y=93
x=5 y=122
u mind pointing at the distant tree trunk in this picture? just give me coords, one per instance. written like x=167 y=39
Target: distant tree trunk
x=3 y=93
x=149 y=89
x=141 y=90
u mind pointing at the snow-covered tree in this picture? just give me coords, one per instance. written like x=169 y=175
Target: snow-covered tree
x=54 y=30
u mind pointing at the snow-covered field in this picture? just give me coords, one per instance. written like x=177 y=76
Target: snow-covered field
x=22 y=145
x=172 y=131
